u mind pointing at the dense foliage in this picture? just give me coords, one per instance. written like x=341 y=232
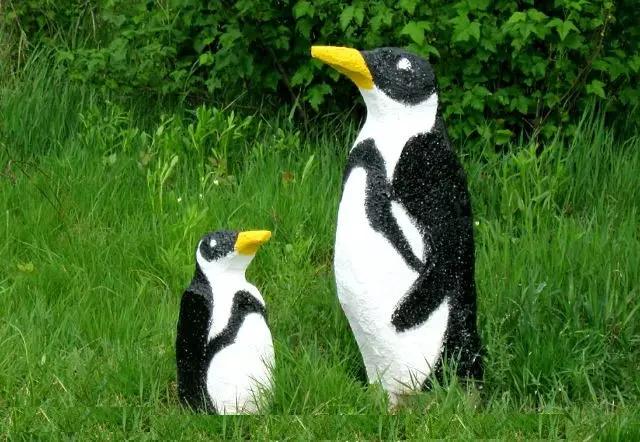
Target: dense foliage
x=516 y=64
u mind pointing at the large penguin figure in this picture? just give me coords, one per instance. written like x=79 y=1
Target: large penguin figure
x=404 y=250
x=224 y=348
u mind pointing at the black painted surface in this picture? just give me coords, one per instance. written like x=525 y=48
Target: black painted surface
x=378 y=198
x=194 y=351
x=410 y=86
x=225 y=241
x=196 y=307
x=431 y=184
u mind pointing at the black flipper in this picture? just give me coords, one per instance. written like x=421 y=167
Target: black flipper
x=423 y=298
x=378 y=199
x=196 y=306
x=431 y=184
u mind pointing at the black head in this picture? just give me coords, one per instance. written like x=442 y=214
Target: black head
x=229 y=248
x=215 y=245
x=403 y=76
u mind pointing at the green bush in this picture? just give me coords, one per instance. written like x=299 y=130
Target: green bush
x=504 y=66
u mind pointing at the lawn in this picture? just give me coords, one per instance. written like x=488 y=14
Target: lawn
x=101 y=209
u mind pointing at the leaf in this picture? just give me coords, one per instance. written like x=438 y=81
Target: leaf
x=596 y=88
x=303 y=9
x=432 y=50
x=307 y=168
x=359 y=15
x=303 y=76
x=304 y=27
x=27 y=267
x=110 y=160
x=634 y=63
x=564 y=28
x=200 y=43
x=118 y=50
x=474 y=30
x=408 y=5
x=551 y=99
x=536 y=15
x=502 y=136
x=206 y=59
x=521 y=103
x=415 y=31
x=315 y=95
x=517 y=17
x=479 y=5
x=464 y=32
x=346 y=16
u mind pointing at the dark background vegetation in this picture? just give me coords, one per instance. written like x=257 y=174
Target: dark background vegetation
x=506 y=68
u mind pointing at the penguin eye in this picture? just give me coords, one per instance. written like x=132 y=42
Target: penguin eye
x=404 y=64
x=213 y=243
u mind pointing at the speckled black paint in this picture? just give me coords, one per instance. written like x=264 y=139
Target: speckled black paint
x=410 y=86
x=225 y=243
x=378 y=198
x=431 y=184
x=194 y=351
x=196 y=307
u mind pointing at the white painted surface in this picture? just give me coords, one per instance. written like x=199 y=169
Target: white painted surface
x=239 y=372
x=409 y=229
x=391 y=123
x=371 y=277
x=404 y=64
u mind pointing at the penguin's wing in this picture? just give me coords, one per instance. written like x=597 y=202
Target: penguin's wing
x=424 y=297
x=244 y=303
x=378 y=199
x=431 y=184
x=191 y=341
x=193 y=327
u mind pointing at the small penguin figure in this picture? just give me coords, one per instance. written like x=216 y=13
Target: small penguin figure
x=404 y=250
x=224 y=348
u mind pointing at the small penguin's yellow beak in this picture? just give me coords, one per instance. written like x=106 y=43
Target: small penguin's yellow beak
x=249 y=242
x=347 y=61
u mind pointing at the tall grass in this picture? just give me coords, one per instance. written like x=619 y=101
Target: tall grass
x=99 y=216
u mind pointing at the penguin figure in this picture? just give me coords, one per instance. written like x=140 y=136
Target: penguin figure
x=224 y=348
x=404 y=250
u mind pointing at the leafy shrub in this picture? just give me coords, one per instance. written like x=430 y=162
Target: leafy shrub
x=521 y=65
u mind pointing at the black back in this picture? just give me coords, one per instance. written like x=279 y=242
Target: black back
x=194 y=351
x=431 y=184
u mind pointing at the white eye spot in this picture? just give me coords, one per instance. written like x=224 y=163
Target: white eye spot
x=213 y=243
x=404 y=64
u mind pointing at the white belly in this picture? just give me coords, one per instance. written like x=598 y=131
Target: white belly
x=240 y=372
x=371 y=279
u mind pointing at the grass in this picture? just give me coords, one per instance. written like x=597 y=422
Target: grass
x=97 y=232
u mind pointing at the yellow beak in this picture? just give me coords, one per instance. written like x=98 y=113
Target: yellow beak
x=347 y=61
x=249 y=242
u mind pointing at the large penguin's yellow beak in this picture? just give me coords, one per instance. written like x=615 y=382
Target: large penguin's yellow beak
x=346 y=60
x=249 y=242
